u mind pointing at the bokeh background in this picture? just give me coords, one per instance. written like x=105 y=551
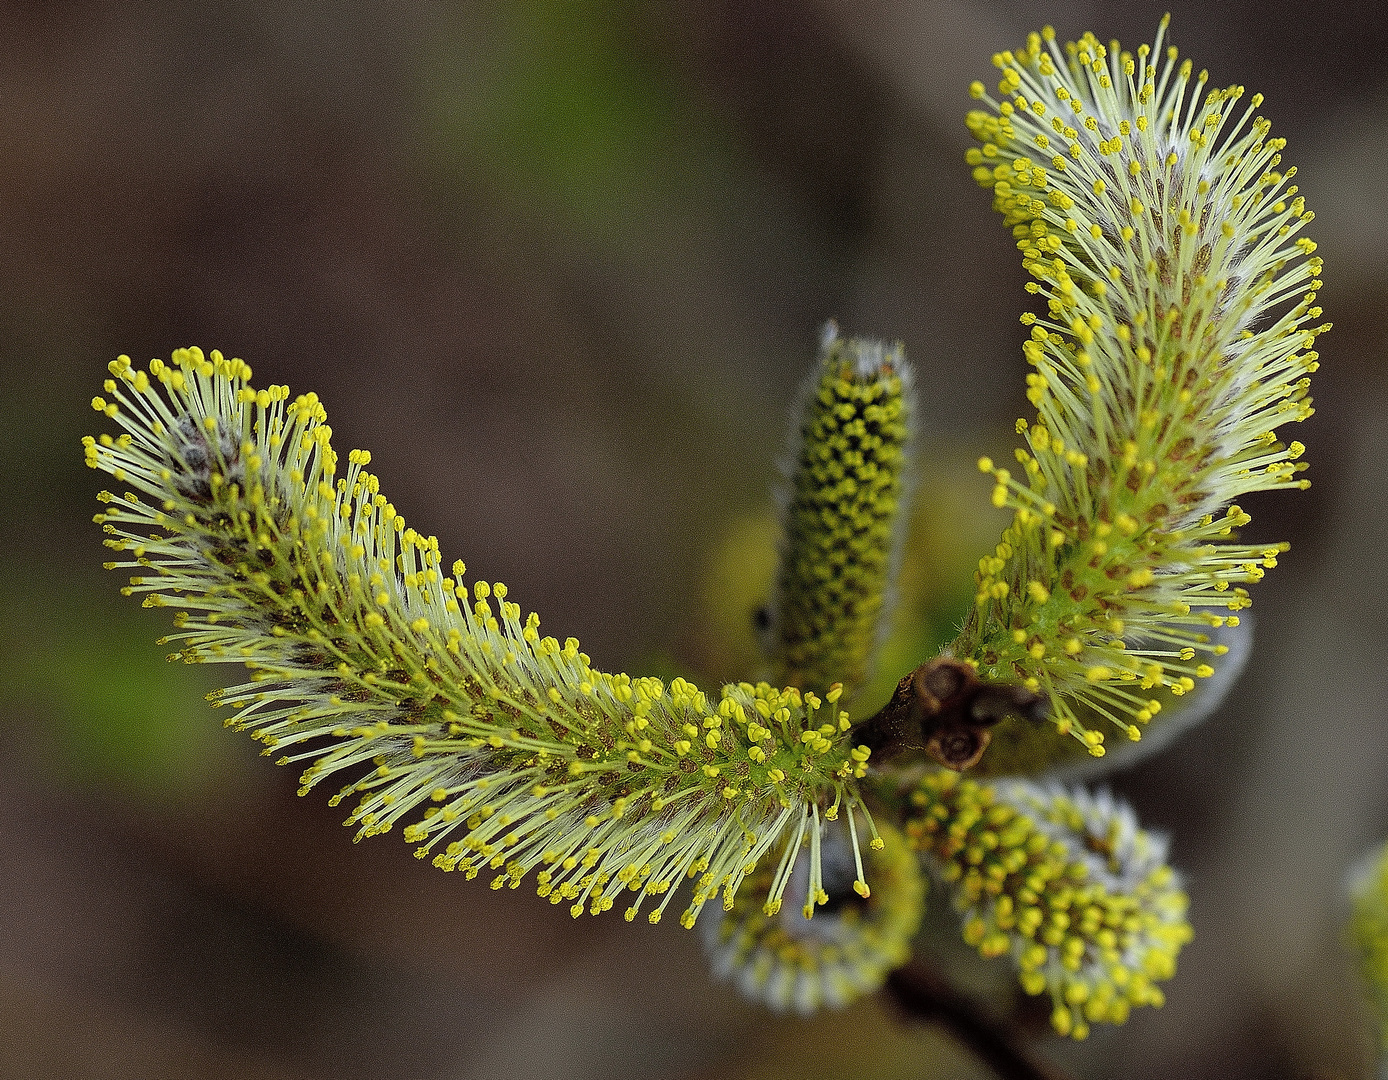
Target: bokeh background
x=561 y=266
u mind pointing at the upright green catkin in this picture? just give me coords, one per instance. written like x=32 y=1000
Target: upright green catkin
x=843 y=515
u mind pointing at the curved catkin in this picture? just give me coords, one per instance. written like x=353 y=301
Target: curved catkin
x=1176 y=336
x=442 y=709
x=1063 y=883
x=844 y=514
x=788 y=962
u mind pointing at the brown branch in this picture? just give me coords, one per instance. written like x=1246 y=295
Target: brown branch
x=923 y=995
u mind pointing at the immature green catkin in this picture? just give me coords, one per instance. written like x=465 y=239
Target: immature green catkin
x=843 y=516
x=502 y=749
x=1368 y=932
x=1179 y=329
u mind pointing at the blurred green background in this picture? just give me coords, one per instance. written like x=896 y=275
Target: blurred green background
x=561 y=267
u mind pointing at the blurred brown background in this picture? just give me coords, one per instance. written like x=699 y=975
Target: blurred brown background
x=561 y=267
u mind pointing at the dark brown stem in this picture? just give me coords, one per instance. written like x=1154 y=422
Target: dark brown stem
x=923 y=995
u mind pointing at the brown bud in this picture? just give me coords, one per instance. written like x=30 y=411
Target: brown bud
x=944 y=710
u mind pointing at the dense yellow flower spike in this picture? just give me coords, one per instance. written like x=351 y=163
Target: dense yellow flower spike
x=789 y=962
x=1177 y=334
x=493 y=746
x=1062 y=882
x=843 y=519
